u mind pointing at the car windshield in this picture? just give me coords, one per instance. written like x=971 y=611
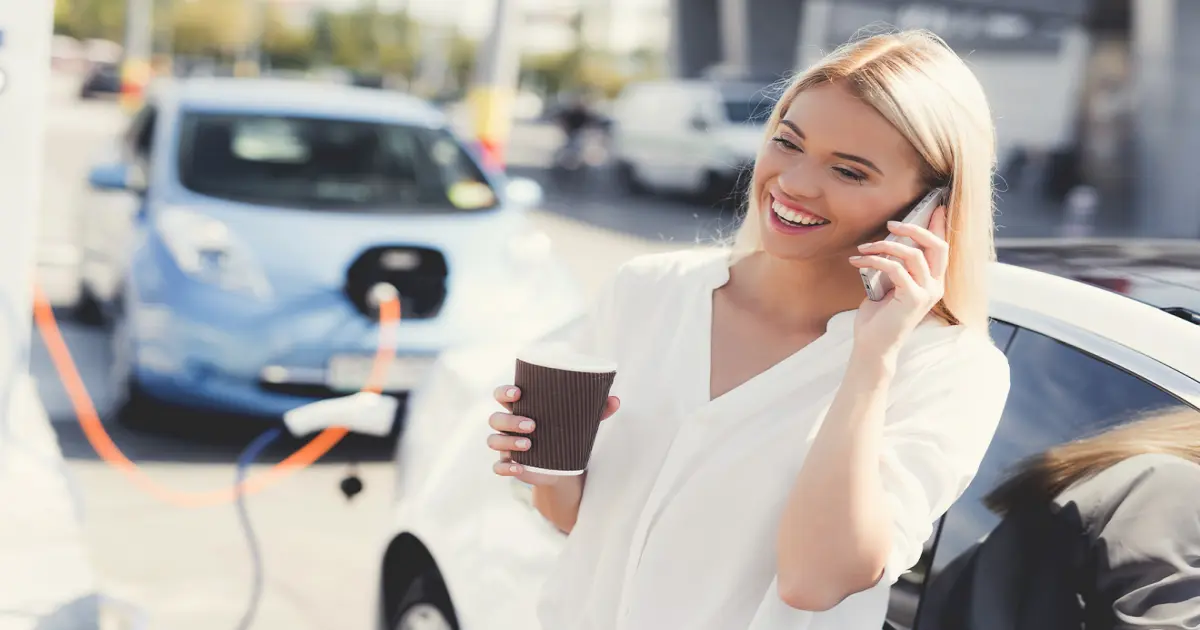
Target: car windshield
x=328 y=164
x=748 y=111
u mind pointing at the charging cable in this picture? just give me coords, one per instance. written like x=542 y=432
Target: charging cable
x=366 y=411
x=247 y=457
x=334 y=428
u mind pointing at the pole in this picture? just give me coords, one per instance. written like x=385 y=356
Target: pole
x=251 y=62
x=25 y=31
x=497 y=68
x=139 y=40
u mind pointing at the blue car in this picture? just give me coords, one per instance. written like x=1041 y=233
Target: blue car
x=235 y=240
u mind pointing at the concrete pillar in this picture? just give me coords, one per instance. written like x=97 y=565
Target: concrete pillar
x=734 y=16
x=1164 y=54
x=24 y=89
x=695 y=37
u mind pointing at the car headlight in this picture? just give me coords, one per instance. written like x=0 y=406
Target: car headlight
x=206 y=249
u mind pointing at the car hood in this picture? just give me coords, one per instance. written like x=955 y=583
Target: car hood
x=305 y=250
x=1161 y=273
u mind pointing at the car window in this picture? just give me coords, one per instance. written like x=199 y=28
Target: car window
x=905 y=595
x=753 y=111
x=1058 y=393
x=329 y=164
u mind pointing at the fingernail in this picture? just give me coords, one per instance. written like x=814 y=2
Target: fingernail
x=855 y=257
x=522 y=443
x=514 y=468
x=893 y=224
x=526 y=425
x=512 y=392
x=864 y=246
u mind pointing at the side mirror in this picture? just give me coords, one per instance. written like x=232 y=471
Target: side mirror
x=699 y=123
x=523 y=192
x=117 y=176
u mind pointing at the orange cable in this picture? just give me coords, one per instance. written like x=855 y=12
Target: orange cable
x=101 y=441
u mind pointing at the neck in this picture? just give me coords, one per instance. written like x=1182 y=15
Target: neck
x=799 y=293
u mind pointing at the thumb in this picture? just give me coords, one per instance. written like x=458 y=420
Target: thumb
x=610 y=407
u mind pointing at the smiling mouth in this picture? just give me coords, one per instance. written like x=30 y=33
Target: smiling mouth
x=796 y=218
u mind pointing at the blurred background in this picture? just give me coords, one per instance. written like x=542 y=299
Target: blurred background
x=615 y=127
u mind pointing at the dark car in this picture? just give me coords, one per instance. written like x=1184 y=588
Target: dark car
x=104 y=79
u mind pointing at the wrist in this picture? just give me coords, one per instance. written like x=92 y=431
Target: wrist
x=874 y=363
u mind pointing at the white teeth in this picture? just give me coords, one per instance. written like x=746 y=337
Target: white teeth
x=795 y=217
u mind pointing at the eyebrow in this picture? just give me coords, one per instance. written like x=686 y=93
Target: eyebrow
x=845 y=156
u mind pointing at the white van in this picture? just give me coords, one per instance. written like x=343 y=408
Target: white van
x=694 y=137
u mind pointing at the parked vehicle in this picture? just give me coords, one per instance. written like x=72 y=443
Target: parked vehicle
x=470 y=552
x=103 y=80
x=692 y=137
x=248 y=220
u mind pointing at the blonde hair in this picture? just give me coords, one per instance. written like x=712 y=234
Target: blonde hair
x=926 y=92
x=1041 y=478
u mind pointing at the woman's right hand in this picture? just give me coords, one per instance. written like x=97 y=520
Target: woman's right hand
x=505 y=444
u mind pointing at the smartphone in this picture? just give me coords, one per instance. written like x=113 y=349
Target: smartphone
x=877 y=283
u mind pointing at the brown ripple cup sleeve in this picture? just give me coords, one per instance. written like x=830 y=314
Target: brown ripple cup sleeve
x=564 y=394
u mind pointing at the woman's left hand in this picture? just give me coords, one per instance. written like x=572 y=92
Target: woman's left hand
x=919 y=276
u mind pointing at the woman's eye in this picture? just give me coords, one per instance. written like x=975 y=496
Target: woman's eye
x=849 y=174
x=785 y=143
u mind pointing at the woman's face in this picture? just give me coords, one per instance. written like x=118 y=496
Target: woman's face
x=832 y=173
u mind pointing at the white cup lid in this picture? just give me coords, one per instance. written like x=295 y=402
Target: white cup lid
x=562 y=357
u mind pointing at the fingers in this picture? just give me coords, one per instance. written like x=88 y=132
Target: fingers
x=610 y=407
x=506 y=395
x=937 y=223
x=900 y=277
x=913 y=259
x=507 y=422
x=507 y=469
x=937 y=250
x=507 y=443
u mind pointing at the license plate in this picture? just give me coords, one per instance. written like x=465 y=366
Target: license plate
x=349 y=373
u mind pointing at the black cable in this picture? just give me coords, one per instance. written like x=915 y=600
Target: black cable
x=243 y=464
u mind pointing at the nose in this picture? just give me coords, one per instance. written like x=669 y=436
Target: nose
x=800 y=180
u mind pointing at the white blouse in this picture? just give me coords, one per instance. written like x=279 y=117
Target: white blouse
x=684 y=495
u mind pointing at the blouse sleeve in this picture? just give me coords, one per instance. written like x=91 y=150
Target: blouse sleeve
x=1149 y=547
x=936 y=432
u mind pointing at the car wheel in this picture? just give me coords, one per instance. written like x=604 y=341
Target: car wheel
x=721 y=191
x=88 y=310
x=127 y=404
x=628 y=178
x=425 y=605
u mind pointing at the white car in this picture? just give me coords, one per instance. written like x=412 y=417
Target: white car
x=470 y=552
x=694 y=137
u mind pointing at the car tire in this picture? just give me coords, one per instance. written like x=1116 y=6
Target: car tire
x=425 y=605
x=628 y=179
x=88 y=310
x=721 y=191
x=128 y=405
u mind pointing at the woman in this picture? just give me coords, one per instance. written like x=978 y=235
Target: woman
x=1117 y=516
x=784 y=445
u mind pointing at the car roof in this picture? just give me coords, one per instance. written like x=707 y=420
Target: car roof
x=296 y=98
x=1030 y=293
x=735 y=90
x=1161 y=272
